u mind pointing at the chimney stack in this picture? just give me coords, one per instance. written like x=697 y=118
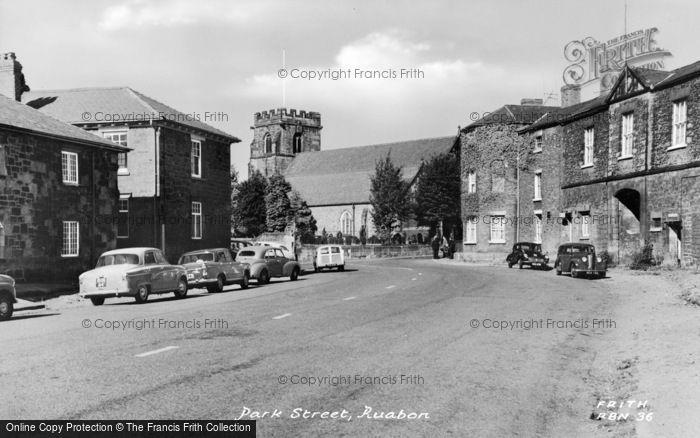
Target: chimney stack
x=570 y=95
x=531 y=102
x=12 y=82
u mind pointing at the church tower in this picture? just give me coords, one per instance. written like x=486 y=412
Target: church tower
x=279 y=135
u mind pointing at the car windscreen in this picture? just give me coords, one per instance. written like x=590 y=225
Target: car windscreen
x=192 y=258
x=246 y=253
x=118 y=259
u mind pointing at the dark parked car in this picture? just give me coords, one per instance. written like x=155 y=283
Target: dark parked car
x=266 y=262
x=579 y=259
x=8 y=297
x=213 y=269
x=527 y=254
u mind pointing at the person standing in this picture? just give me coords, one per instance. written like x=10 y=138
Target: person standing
x=445 y=247
x=435 y=244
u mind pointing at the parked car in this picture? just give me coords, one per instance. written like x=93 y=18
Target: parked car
x=579 y=259
x=135 y=272
x=238 y=244
x=213 y=269
x=527 y=254
x=8 y=297
x=266 y=262
x=329 y=256
x=287 y=252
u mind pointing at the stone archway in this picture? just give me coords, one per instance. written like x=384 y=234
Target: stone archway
x=628 y=205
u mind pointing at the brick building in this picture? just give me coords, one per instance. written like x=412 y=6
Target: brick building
x=58 y=189
x=493 y=156
x=335 y=183
x=175 y=190
x=630 y=165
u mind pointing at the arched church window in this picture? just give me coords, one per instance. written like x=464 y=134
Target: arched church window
x=267 y=141
x=296 y=143
x=346 y=223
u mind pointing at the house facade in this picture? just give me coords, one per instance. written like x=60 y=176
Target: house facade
x=630 y=166
x=174 y=184
x=58 y=190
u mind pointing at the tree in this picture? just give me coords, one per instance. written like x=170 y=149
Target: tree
x=437 y=197
x=249 y=209
x=234 y=197
x=279 y=208
x=389 y=196
x=303 y=219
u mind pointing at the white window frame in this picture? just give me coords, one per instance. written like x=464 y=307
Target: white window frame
x=196 y=158
x=538 y=228
x=680 y=123
x=110 y=135
x=471 y=182
x=497 y=229
x=627 y=140
x=585 y=225
x=123 y=198
x=538 y=144
x=470 y=231
x=588 y=143
x=71 y=239
x=69 y=168
x=196 y=220
x=538 y=185
x=346 y=223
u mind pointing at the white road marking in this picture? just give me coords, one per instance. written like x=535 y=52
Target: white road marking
x=391 y=287
x=349 y=298
x=282 y=316
x=160 y=350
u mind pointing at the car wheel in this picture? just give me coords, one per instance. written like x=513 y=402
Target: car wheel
x=510 y=265
x=520 y=264
x=6 y=308
x=557 y=269
x=142 y=294
x=264 y=277
x=246 y=281
x=601 y=275
x=181 y=291
x=220 y=283
x=295 y=274
x=97 y=301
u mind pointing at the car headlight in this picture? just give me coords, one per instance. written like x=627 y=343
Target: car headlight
x=525 y=256
x=584 y=259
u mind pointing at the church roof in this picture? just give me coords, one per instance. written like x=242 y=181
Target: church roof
x=342 y=176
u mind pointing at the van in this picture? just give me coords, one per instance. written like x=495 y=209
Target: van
x=329 y=256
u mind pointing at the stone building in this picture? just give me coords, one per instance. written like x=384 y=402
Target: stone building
x=58 y=189
x=174 y=186
x=335 y=183
x=630 y=165
x=493 y=155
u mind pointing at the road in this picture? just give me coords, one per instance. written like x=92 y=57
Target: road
x=356 y=332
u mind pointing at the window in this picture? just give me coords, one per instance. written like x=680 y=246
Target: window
x=471 y=182
x=538 y=185
x=70 y=239
x=120 y=138
x=627 y=135
x=346 y=223
x=588 y=139
x=196 y=158
x=585 y=225
x=69 y=164
x=538 y=144
x=680 y=113
x=296 y=146
x=149 y=258
x=656 y=222
x=3 y=161
x=538 y=228
x=267 y=141
x=196 y=220
x=471 y=230
x=498 y=229
x=123 y=217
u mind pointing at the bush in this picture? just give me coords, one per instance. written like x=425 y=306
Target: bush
x=644 y=258
x=607 y=258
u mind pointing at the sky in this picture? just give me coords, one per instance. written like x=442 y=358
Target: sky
x=224 y=56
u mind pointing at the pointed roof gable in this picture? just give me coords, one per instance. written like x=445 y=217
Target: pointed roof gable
x=629 y=83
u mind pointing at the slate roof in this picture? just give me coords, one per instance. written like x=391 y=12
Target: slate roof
x=70 y=106
x=511 y=114
x=15 y=115
x=342 y=176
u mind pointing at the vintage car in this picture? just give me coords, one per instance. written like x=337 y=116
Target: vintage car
x=266 y=262
x=238 y=244
x=527 y=254
x=8 y=297
x=329 y=256
x=579 y=259
x=135 y=272
x=214 y=269
x=285 y=250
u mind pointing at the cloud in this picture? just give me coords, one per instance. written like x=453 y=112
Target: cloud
x=157 y=13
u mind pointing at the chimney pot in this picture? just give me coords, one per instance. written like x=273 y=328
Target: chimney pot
x=12 y=83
